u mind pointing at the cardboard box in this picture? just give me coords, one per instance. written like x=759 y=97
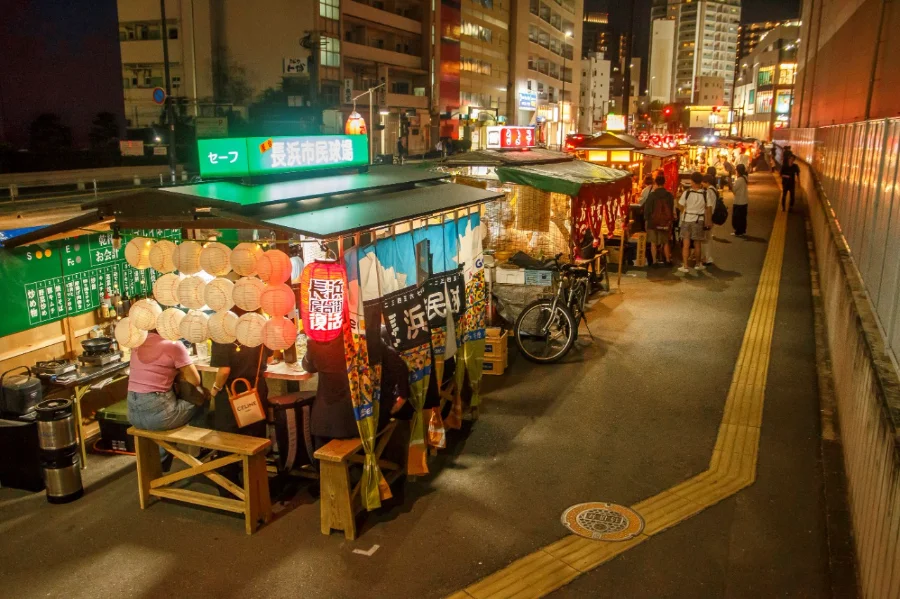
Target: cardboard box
x=509 y=276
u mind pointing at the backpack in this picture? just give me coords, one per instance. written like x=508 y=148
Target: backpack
x=720 y=214
x=662 y=216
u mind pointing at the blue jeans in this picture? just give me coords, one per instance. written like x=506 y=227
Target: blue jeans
x=161 y=412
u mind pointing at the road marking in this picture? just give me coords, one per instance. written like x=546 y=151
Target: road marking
x=368 y=553
x=731 y=468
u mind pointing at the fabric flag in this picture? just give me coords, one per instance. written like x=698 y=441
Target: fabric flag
x=405 y=314
x=471 y=333
x=365 y=385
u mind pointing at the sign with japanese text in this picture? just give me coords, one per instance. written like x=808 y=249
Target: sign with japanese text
x=527 y=100
x=245 y=156
x=323 y=300
x=443 y=290
x=406 y=314
x=510 y=138
x=615 y=122
x=293 y=66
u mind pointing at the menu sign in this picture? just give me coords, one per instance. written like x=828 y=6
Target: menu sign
x=502 y=138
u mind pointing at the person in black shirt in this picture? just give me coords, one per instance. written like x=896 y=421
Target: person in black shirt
x=235 y=361
x=789 y=174
x=332 y=410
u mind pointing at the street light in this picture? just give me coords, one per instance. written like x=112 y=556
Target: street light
x=562 y=100
x=371 y=117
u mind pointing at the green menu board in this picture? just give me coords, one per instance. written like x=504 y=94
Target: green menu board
x=46 y=282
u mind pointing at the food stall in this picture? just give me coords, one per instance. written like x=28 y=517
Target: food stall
x=169 y=253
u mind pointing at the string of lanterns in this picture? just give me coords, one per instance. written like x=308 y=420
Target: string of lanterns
x=194 y=277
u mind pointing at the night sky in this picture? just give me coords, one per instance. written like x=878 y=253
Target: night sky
x=751 y=11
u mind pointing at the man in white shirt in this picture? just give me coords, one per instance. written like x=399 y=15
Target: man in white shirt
x=709 y=185
x=744 y=159
x=695 y=213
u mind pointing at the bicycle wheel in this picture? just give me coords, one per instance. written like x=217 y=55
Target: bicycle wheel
x=543 y=337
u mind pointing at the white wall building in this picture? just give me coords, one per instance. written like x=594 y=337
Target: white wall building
x=706 y=33
x=709 y=91
x=594 y=98
x=662 y=60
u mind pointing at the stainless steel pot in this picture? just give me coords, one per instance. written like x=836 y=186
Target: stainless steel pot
x=56 y=425
x=63 y=478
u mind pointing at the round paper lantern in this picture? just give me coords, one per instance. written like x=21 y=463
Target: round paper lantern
x=274 y=267
x=246 y=293
x=194 y=326
x=168 y=325
x=187 y=258
x=162 y=255
x=129 y=336
x=244 y=257
x=249 y=329
x=277 y=300
x=218 y=294
x=137 y=252
x=215 y=259
x=223 y=327
x=279 y=333
x=143 y=314
x=326 y=282
x=165 y=289
x=296 y=268
x=355 y=125
x=191 y=291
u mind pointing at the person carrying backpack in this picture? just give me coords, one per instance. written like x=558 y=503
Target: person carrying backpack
x=659 y=214
x=695 y=213
x=739 y=205
x=719 y=215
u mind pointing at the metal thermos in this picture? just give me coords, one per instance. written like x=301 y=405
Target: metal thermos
x=62 y=476
x=56 y=425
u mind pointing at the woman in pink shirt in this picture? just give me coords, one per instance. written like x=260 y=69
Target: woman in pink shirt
x=152 y=404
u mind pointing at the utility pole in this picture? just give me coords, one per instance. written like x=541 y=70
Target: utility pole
x=626 y=68
x=170 y=110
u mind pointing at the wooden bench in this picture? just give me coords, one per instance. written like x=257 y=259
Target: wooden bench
x=339 y=504
x=252 y=501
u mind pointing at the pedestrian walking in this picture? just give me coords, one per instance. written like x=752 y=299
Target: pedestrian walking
x=712 y=196
x=729 y=175
x=659 y=214
x=789 y=174
x=648 y=187
x=740 y=203
x=695 y=213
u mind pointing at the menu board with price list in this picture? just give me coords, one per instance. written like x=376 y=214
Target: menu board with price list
x=45 y=282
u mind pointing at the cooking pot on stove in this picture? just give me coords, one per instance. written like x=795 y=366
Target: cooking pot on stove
x=99 y=345
x=19 y=393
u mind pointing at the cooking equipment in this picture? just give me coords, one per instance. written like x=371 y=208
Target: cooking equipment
x=96 y=346
x=62 y=475
x=100 y=359
x=53 y=367
x=56 y=427
x=19 y=394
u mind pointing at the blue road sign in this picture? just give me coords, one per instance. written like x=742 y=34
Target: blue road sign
x=159 y=95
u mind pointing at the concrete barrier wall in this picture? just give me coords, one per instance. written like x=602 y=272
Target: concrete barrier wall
x=867 y=391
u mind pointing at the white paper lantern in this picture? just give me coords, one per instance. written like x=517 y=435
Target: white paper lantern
x=129 y=336
x=165 y=289
x=218 y=294
x=137 y=252
x=168 y=325
x=187 y=258
x=194 y=327
x=215 y=259
x=246 y=293
x=223 y=327
x=274 y=267
x=249 y=329
x=191 y=292
x=162 y=255
x=143 y=314
x=244 y=258
x=296 y=268
x=277 y=300
x=279 y=333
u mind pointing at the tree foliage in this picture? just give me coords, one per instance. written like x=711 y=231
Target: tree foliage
x=48 y=134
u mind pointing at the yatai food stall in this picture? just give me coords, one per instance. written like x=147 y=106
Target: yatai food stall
x=406 y=241
x=619 y=150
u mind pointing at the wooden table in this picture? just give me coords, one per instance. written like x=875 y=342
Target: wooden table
x=280 y=371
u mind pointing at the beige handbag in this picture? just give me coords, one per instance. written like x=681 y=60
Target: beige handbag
x=247 y=406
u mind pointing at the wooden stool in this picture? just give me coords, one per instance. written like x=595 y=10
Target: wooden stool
x=252 y=501
x=337 y=503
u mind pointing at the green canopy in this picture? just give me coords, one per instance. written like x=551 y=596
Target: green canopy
x=566 y=177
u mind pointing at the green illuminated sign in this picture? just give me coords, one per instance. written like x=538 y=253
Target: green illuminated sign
x=244 y=156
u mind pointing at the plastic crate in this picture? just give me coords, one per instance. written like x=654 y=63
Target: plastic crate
x=113 y=426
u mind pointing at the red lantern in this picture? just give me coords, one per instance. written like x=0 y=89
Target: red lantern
x=323 y=300
x=355 y=125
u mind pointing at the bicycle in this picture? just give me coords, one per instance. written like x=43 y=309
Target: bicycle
x=547 y=328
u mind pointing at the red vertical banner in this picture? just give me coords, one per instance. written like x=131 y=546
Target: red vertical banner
x=449 y=69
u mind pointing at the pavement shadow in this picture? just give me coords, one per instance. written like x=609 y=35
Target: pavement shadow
x=755 y=239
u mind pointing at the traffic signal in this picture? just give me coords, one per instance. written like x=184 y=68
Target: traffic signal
x=667 y=111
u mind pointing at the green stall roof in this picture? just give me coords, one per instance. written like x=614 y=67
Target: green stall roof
x=565 y=177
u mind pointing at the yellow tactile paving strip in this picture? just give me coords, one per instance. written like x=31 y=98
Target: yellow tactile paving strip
x=731 y=468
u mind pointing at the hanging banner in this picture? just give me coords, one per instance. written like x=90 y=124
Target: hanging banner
x=443 y=289
x=406 y=317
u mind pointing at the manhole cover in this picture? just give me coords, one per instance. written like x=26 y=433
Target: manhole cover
x=603 y=521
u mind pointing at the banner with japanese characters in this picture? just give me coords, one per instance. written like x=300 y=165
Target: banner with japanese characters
x=471 y=332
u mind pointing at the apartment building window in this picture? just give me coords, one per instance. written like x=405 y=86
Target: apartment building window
x=477 y=31
x=330 y=9
x=545 y=12
x=556 y=21
x=330 y=55
x=473 y=65
x=532 y=33
x=534 y=6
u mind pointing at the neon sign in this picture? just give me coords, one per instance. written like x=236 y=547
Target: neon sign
x=510 y=138
x=245 y=156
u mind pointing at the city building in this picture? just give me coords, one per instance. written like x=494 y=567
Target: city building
x=662 y=60
x=663 y=9
x=709 y=91
x=764 y=93
x=543 y=70
x=597 y=36
x=705 y=44
x=749 y=34
x=594 y=97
